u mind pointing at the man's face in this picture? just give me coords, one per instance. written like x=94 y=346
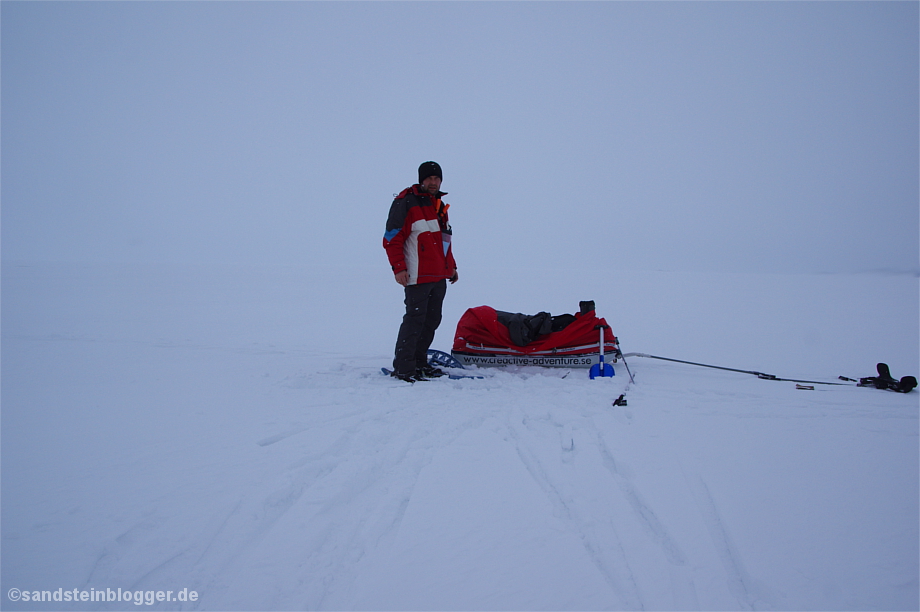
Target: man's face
x=431 y=184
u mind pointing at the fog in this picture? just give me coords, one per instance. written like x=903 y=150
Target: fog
x=196 y=303
x=750 y=137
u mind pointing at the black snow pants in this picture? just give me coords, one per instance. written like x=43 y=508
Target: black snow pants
x=423 y=315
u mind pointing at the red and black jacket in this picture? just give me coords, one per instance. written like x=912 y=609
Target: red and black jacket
x=418 y=236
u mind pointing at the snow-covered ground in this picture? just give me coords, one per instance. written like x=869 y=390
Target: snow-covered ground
x=227 y=431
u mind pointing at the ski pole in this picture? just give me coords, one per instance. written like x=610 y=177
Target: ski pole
x=632 y=381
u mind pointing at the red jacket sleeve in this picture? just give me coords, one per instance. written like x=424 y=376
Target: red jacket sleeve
x=395 y=235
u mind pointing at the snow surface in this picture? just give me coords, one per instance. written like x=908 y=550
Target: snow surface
x=227 y=430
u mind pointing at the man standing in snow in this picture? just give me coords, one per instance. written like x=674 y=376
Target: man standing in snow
x=417 y=242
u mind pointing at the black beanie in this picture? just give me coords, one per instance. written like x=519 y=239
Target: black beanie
x=429 y=168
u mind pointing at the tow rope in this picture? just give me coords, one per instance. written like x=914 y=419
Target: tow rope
x=884 y=380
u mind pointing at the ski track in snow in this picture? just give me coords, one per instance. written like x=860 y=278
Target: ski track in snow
x=348 y=499
x=739 y=582
x=347 y=475
x=309 y=494
x=267 y=475
x=609 y=557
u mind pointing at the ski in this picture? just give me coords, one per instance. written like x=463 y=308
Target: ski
x=449 y=375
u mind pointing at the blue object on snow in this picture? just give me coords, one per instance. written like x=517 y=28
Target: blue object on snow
x=600 y=368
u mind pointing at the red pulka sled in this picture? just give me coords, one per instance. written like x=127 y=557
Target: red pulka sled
x=482 y=340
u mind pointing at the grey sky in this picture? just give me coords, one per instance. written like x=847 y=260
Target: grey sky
x=728 y=136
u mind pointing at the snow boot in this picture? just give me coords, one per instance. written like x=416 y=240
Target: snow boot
x=885 y=380
x=430 y=371
x=409 y=378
